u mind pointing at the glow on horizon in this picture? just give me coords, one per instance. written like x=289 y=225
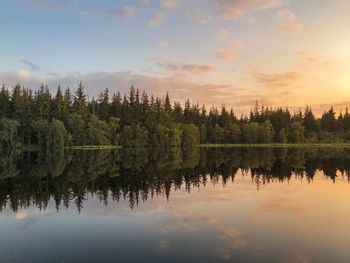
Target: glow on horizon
x=279 y=52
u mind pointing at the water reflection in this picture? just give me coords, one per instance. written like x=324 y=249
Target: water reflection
x=33 y=179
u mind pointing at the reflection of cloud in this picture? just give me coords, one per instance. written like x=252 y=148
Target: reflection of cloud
x=296 y=259
x=282 y=205
x=163 y=245
x=28 y=222
x=21 y=214
x=184 y=220
x=232 y=241
x=233 y=237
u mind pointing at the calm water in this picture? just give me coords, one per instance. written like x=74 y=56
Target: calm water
x=232 y=205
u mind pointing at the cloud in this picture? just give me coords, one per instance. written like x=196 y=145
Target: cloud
x=226 y=55
x=170 y=4
x=296 y=259
x=83 y=13
x=126 y=11
x=295 y=27
x=163 y=44
x=234 y=9
x=157 y=19
x=289 y=21
x=278 y=80
x=233 y=240
x=31 y=65
x=23 y=74
x=282 y=205
x=199 y=16
x=233 y=46
x=185 y=67
x=179 y=88
x=56 y=5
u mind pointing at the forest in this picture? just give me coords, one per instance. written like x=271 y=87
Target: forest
x=42 y=120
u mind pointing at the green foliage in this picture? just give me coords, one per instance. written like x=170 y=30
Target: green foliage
x=8 y=135
x=265 y=132
x=282 y=136
x=97 y=132
x=190 y=135
x=40 y=129
x=137 y=120
x=58 y=137
x=75 y=125
x=328 y=121
x=134 y=135
x=234 y=134
x=296 y=133
x=250 y=133
x=114 y=127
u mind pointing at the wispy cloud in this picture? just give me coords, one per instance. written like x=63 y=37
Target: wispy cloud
x=289 y=21
x=230 y=48
x=157 y=19
x=163 y=44
x=49 y=4
x=234 y=9
x=226 y=55
x=278 y=80
x=170 y=4
x=185 y=67
x=32 y=66
x=83 y=13
x=126 y=11
x=199 y=16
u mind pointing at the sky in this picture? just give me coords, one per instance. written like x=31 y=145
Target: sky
x=233 y=52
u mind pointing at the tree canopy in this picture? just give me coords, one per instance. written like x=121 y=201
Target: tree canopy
x=139 y=120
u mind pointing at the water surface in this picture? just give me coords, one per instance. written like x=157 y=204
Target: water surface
x=214 y=205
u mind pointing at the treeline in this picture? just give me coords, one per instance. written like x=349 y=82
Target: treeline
x=135 y=175
x=66 y=118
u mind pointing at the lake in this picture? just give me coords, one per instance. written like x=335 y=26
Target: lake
x=200 y=205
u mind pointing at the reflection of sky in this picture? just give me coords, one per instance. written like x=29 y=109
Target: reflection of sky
x=282 y=222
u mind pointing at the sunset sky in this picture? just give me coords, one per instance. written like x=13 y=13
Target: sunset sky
x=232 y=52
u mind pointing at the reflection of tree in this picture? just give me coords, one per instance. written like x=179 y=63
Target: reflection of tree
x=34 y=178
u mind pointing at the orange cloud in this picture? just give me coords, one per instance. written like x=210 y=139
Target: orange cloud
x=170 y=4
x=157 y=19
x=186 y=67
x=226 y=55
x=278 y=80
x=23 y=74
x=290 y=23
x=234 y=9
x=295 y=27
